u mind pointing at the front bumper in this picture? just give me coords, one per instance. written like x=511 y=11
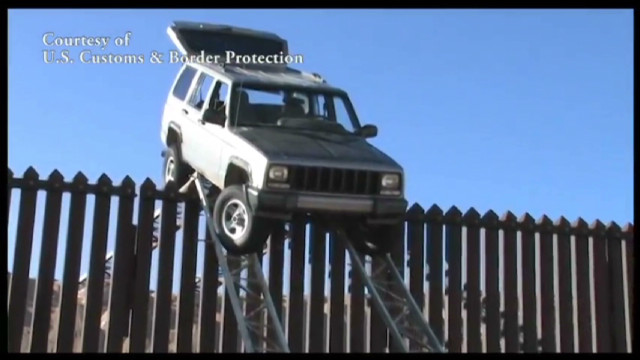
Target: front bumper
x=273 y=201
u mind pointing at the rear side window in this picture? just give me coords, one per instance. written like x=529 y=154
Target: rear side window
x=181 y=89
x=199 y=96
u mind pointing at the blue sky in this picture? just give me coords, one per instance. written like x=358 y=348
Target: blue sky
x=521 y=110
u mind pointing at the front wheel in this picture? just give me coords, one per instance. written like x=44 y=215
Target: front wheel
x=239 y=230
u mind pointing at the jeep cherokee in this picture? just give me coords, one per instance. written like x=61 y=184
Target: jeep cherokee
x=274 y=142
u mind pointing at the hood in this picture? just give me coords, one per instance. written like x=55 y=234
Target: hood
x=303 y=145
x=193 y=38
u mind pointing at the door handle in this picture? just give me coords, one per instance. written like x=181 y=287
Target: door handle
x=184 y=111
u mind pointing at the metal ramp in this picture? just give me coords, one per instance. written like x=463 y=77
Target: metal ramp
x=253 y=330
x=394 y=303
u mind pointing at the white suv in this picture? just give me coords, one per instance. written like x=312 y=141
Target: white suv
x=275 y=141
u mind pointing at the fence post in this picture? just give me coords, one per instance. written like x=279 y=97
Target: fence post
x=492 y=281
x=565 y=285
x=628 y=234
x=122 y=268
x=471 y=221
x=209 y=298
x=397 y=254
x=529 y=303
x=72 y=256
x=96 y=280
x=510 y=278
x=144 y=238
x=296 y=289
x=276 y=268
x=48 y=251
x=547 y=302
x=583 y=285
x=166 y=251
x=601 y=287
x=616 y=281
x=453 y=222
x=336 y=307
x=22 y=260
x=415 y=247
x=434 y=218
x=188 y=273
x=318 y=244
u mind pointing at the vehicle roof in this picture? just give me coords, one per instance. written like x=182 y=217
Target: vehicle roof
x=269 y=75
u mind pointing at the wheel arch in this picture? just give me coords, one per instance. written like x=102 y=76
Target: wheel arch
x=238 y=172
x=174 y=135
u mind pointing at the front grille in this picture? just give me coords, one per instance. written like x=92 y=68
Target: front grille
x=334 y=180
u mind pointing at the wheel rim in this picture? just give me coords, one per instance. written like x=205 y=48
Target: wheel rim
x=235 y=219
x=169 y=173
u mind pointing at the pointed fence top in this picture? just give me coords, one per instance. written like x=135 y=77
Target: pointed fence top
x=128 y=186
x=148 y=188
x=490 y=219
x=509 y=220
x=416 y=209
x=56 y=176
x=453 y=215
x=31 y=174
x=80 y=178
x=598 y=228
x=580 y=227
x=55 y=180
x=562 y=225
x=614 y=230
x=545 y=225
x=527 y=222
x=434 y=214
x=471 y=217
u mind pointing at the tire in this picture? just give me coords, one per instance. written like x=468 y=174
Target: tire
x=174 y=168
x=372 y=239
x=253 y=231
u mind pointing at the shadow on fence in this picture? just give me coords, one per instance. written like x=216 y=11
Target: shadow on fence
x=485 y=283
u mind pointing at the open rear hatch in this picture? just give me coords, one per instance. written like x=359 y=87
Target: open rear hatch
x=193 y=38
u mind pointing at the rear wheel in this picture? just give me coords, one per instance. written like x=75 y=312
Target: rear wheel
x=175 y=169
x=238 y=229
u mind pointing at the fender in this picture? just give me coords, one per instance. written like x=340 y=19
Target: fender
x=174 y=125
x=243 y=165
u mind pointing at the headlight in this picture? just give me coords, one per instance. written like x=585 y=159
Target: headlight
x=390 y=181
x=278 y=173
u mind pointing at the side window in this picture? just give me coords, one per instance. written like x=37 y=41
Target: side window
x=199 y=96
x=222 y=92
x=219 y=97
x=181 y=88
x=320 y=106
x=303 y=99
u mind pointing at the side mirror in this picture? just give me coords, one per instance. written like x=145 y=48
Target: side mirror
x=213 y=116
x=368 y=131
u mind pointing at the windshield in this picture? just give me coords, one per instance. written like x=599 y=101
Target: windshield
x=300 y=108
